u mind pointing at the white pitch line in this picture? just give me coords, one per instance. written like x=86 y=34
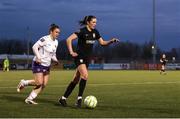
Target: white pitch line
x=112 y=84
x=144 y=83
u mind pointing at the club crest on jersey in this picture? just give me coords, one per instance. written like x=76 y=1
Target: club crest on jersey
x=81 y=60
x=94 y=35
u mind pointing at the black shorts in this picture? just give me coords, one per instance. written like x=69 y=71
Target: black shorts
x=163 y=64
x=81 y=60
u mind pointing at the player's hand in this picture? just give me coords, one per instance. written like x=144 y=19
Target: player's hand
x=115 y=40
x=73 y=54
x=56 y=63
x=38 y=61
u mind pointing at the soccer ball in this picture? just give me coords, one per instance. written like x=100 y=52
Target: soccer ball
x=90 y=102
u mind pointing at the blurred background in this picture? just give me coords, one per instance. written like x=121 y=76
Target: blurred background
x=146 y=28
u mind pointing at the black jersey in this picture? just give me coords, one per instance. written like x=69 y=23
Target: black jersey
x=86 y=40
x=163 y=61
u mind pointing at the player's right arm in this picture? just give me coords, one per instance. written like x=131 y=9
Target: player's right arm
x=36 y=47
x=69 y=44
x=161 y=60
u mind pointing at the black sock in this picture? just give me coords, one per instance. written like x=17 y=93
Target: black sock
x=82 y=86
x=69 y=89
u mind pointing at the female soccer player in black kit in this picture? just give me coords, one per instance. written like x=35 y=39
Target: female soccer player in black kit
x=86 y=36
x=163 y=61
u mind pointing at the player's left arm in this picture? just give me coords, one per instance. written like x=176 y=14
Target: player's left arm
x=54 y=57
x=104 y=43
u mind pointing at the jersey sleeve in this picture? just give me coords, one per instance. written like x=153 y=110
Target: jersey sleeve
x=98 y=36
x=39 y=43
x=79 y=33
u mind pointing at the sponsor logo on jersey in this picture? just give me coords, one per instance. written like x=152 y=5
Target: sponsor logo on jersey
x=90 y=41
x=42 y=39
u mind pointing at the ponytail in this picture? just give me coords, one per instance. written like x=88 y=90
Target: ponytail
x=86 y=19
x=53 y=27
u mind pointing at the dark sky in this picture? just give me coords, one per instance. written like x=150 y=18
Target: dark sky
x=129 y=20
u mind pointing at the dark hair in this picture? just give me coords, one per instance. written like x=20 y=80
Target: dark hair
x=86 y=19
x=53 y=27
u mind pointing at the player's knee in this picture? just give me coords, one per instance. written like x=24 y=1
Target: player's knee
x=38 y=86
x=76 y=81
x=39 y=83
x=84 y=76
